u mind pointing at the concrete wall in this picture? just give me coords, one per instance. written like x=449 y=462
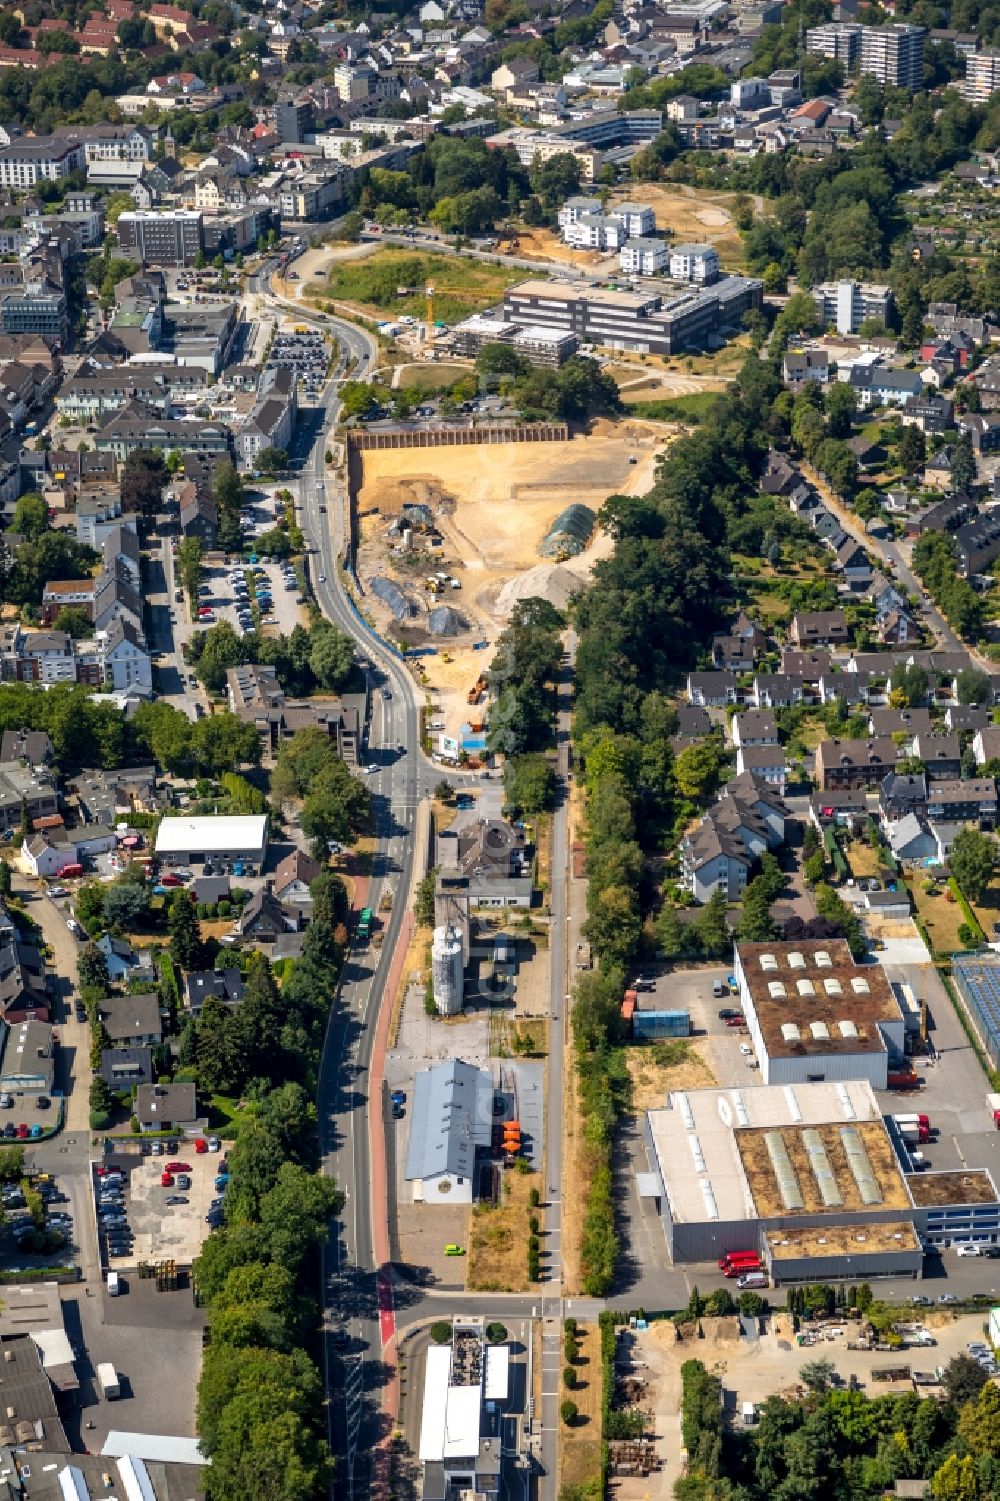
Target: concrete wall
x=459 y=437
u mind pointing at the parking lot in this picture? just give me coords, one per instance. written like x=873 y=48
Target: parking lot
x=155 y=1220
x=226 y=595
x=306 y=354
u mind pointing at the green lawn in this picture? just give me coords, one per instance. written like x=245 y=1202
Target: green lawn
x=395 y=281
x=691 y=408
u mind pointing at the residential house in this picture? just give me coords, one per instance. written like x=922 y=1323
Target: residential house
x=693 y=723
x=733 y=653
x=166 y=1107
x=123 y=1069
x=779 y=690
x=227 y=985
x=898 y=628
x=901 y=793
x=754 y=727
x=854 y=763
x=123 y=962
x=712 y=690
x=810 y=665
x=488 y=861
x=199 y=517
x=133 y=1020
x=877 y=387
x=977 y=543
x=264 y=918
x=967 y=718
x=294 y=877
x=720 y=853
x=986 y=744
x=765 y=761
x=819 y=628
x=906 y=722
x=937 y=469
x=854 y=563
x=941 y=755
x=799 y=366
x=910 y=839
x=846 y=807
x=973 y=800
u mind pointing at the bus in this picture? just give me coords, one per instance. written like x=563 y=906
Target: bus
x=365 y=923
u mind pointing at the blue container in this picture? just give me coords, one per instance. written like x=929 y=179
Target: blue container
x=649 y=1025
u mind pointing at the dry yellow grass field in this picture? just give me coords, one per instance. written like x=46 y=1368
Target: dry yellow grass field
x=655 y=1069
x=498 y=1238
x=696 y=214
x=580 y=1442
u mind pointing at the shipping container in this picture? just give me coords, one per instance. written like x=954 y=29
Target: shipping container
x=647 y=1025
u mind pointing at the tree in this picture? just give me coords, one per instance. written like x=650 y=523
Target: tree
x=973 y=686
x=186 y=948
x=5 y=878
x=92 y=968
x=568 y=1411
x=911 y=450
x=963 y=1379
x=143 y=478
x=332 y=657
x=271 y=460
x=818 y=1375
x=841 y=405
x=529 y=784
x=956 y=1479
x=712 y=928
x=75 y=621
x=31 y=517
x=697 y=770
x=423 y=901
x=972 y=861
x=125 y=902
x=188 y=563
x=963 y=464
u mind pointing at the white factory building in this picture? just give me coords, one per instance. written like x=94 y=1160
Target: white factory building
x=815 y=1015
x=808 y=1177
x=466 y=1384
x=192 y=841
x=451 y=1121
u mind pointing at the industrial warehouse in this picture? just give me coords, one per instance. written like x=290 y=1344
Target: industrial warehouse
x=808 y=1176
x=813 y=1014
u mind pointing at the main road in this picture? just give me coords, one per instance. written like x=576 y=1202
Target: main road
x=399 y=777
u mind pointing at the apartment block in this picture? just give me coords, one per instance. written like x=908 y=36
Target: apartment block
x=846 y=304
x=894 y=54
x=982 y=76
x=839 y=40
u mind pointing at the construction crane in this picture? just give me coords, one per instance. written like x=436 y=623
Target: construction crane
x=430 y=315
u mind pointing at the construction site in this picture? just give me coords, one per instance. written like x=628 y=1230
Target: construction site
x=450 y=538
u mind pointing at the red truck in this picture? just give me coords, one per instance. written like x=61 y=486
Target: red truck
x=737 y=1263
x=903 y=1078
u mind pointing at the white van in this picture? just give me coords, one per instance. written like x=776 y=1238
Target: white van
x=968 y=1248
x=752 y=1279
x=114 y=1284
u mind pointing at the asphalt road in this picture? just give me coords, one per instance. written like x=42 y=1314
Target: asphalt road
x=401 y=777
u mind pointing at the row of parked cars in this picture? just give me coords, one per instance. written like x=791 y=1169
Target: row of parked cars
x=27 y=1234
x=112 y=1215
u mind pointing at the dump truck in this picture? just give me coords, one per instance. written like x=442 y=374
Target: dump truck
x=107 y=1378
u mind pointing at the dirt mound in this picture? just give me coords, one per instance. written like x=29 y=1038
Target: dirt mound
x=551 y=581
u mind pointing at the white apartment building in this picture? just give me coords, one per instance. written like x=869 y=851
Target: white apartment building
x=637 y=218
x=697 y=263
x=839 y=40
x=982 y=76
x=894 y=54
x=847 y=304
x=643 y=256
x=28 y=160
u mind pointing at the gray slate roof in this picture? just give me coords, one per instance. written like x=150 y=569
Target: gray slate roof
x=451 y=1115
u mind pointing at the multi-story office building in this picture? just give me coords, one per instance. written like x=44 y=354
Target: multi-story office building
x=982 y=76
x=839 y=40
x=639 y=321
x=39 y=307
x=894 y=54
x=170 y=238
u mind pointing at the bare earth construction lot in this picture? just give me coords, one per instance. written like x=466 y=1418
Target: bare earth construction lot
x=493 y=504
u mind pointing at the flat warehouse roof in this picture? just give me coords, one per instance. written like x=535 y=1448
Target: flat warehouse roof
x=177 y=836
x=866 y=1239
x=696 y=1139
x=822 y=1169
x=930 y=1190
x=812 y=998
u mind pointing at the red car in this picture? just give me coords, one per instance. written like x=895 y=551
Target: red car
x=166 y=1180
x=736 y=1021
x=201 y=1145
x=178 y=1167
x=22 y=1131
x=169 y=880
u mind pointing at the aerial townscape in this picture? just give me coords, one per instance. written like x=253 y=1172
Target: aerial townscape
x=500 y=750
